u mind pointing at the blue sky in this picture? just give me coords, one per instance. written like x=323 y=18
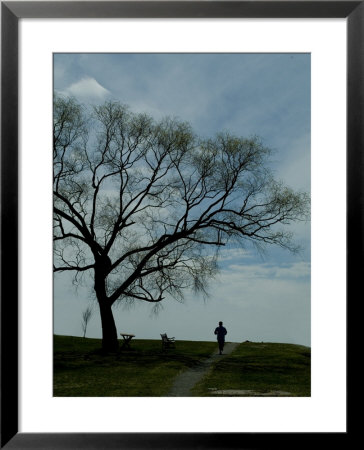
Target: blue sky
x=258 y=297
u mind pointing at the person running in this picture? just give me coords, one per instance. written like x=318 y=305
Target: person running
x=220 y=331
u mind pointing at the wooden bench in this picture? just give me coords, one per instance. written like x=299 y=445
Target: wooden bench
x=167 y=342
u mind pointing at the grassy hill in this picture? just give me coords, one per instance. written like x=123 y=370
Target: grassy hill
x=80 y=369
x=260 y=369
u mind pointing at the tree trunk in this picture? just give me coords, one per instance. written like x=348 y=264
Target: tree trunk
x=109 y=334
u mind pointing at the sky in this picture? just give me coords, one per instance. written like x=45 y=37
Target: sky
x=259 y=297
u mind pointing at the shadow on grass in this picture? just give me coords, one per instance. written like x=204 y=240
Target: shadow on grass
x=81 y=368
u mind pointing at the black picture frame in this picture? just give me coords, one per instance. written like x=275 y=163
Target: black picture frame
x=11 y=12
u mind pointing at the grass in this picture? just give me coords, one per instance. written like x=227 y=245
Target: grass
x=262 y=368
x=80 y=370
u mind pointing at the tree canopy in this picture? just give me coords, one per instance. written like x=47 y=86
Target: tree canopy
x=145 y=205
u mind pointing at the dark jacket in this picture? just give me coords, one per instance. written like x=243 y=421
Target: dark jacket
x=220 y=332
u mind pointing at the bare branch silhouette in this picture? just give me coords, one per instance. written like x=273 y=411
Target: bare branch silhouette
x=145 y=205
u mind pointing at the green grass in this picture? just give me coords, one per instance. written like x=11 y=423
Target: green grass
x=261 y=368
x=80 y=370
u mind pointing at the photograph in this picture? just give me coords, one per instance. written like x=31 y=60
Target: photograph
x=180 y=274
x=181 y=224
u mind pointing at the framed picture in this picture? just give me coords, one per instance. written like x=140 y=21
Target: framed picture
x=218 y=33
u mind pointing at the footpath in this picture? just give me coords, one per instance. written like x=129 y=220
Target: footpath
x=185 y=381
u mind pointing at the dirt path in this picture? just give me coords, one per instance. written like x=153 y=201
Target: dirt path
x=184 y=383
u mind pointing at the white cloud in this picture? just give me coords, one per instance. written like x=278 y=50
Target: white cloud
x=87 y=89
x=296 y=270
x=233 y=253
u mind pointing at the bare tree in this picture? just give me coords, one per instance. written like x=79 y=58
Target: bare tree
x=86 y=316
x=145 y=205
